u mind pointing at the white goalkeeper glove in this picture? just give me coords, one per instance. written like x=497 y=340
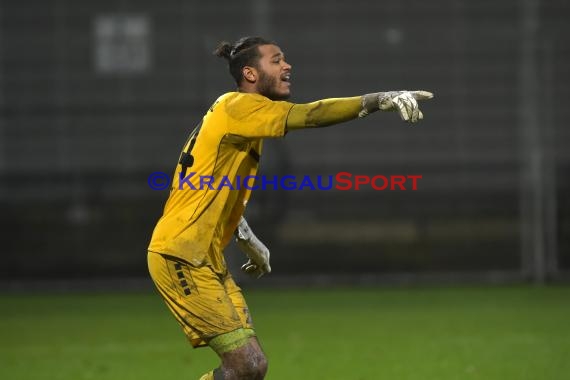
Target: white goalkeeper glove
x=405 y=102
x=256 y=251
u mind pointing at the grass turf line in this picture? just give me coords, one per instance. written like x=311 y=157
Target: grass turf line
x=490 y=333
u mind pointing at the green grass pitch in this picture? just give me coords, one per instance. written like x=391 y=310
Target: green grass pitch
x=487 y=333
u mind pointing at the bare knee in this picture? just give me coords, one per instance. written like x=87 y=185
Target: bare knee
x=254 y=367
x=245 y=363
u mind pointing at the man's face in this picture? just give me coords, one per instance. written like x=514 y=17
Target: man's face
x=273 y=73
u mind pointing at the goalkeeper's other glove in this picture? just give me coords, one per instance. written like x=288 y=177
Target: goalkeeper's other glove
x=256 y=251
x=405 y=102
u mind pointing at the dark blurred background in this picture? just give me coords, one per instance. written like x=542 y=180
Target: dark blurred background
x=96 y=96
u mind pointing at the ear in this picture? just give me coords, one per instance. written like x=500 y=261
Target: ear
x=249 y=73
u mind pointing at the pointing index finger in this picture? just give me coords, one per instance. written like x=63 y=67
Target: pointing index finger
x=422 y=95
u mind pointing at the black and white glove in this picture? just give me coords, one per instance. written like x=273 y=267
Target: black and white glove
x=256 y=251
x=405 y=102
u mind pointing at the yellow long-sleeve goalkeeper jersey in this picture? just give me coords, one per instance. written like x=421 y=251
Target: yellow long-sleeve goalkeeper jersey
x=205 y=204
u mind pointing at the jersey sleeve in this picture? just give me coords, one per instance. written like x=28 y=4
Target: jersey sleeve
x=324 y=112
x=255 y=116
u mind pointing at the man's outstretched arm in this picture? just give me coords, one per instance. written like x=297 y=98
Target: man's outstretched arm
x=337 y=110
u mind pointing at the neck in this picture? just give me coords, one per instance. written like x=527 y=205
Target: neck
x=248 y=88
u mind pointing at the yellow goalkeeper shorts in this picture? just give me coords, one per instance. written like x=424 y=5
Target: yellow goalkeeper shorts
x=206 y=304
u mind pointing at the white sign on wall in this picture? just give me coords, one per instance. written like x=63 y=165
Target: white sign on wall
x=122 y=43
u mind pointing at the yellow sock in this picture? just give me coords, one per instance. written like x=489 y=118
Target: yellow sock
x=208 y=376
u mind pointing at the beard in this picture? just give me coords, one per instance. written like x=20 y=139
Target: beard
x=267 y=86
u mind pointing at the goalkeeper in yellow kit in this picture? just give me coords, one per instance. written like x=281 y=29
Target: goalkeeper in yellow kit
x=185 y=256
